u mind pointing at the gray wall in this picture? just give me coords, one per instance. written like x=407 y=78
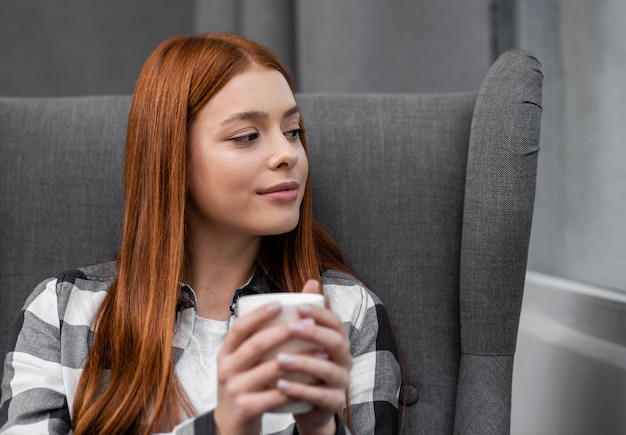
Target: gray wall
x=366 y=45
x=82 y=47
x=399 y=46
x=578 y=230
x=570 y=367
x=78 y=47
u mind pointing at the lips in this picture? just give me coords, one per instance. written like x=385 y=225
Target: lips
x=287 y=191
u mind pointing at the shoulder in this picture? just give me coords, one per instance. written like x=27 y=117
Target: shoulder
x=75 y=294
x=365 y=319
x=348 y=297
x=339 y=285
x=90 y=277
x=81 y=291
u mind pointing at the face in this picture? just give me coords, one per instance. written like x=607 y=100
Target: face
x=247 y=165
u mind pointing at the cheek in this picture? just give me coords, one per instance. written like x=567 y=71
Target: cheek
x=201 y=175
x=213 y=179
x=198 y=188
x=303 y=162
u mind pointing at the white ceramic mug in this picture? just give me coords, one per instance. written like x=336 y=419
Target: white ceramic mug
x=289 y=313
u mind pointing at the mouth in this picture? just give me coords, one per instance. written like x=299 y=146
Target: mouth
x=287 y=191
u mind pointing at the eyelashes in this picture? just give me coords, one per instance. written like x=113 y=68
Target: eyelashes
x=247 y=138
x=291 y=135
x=295 y=134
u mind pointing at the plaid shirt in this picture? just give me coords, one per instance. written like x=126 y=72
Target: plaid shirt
x=53 y=333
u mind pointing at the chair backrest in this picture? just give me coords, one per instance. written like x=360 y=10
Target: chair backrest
x=430 y=195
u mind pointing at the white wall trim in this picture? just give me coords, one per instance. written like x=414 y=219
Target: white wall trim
x=542 y=280
x=587 y=345
x=559 y=311
x=569 y=375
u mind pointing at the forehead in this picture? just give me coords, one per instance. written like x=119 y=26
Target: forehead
x=255 y=89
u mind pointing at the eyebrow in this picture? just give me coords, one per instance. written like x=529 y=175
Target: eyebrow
x=257 y=114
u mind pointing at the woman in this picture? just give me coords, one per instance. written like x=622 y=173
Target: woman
x=217 y=204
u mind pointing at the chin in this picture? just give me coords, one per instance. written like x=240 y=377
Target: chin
x=280 y=228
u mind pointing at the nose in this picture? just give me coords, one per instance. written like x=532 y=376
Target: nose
x=284 y=153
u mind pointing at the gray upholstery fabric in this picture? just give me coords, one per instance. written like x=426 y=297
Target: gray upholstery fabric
x=483 y=403
x=499 y=199
x=60 y=190
x=429 y=194
x=388 y=179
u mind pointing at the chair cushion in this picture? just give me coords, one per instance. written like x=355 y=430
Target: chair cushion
x=393 y=167
x=61 y=189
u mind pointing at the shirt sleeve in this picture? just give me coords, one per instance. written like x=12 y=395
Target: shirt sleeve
x=33 y=393
x=202 y=424
x=205 y=425
x=376 y=373
x=34 y=396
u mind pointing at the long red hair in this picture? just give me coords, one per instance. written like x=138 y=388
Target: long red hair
x=129 y=384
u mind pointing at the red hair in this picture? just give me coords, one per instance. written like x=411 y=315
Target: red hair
x=129 y=384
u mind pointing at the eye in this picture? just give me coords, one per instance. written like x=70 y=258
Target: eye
x=294 y=134
x=246 y=138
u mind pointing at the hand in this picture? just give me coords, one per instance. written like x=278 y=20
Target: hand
x=243 y=376
x=331 y=367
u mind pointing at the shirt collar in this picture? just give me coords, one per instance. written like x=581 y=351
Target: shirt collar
x=258 y=283
x=187 y=305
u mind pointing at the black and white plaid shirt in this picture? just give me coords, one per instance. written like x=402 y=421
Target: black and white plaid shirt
x=52 y=338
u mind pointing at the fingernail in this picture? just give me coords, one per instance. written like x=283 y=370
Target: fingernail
x=285 y=358
x=300 y=324
x=283 y=384
x=306 y=308
x=296 y=326
x=273 y=306
x=321 y=355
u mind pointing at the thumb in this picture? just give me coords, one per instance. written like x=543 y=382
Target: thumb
x=312 y=286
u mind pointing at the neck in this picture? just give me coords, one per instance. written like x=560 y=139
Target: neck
x=217 y=267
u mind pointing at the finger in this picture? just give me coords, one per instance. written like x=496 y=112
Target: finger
x=258 y=378
x=312 y=286
x=260 y=402
x=319 y=396
x=322 y=316
x=318 y=366
x=332 y=339
x=247 y=325
x=252 y=351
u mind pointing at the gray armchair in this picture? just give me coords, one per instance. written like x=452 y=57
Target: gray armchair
x=431 y=196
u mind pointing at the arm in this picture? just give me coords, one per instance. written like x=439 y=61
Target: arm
x=376 y=376
x=33 y=392
x=35 y=382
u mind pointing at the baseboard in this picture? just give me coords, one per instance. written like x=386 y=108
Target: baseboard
x=569 y=375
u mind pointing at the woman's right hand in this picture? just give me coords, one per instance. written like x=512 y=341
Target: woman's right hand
x=243 y=377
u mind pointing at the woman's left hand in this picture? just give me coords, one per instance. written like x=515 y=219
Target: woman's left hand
x=330 y=366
